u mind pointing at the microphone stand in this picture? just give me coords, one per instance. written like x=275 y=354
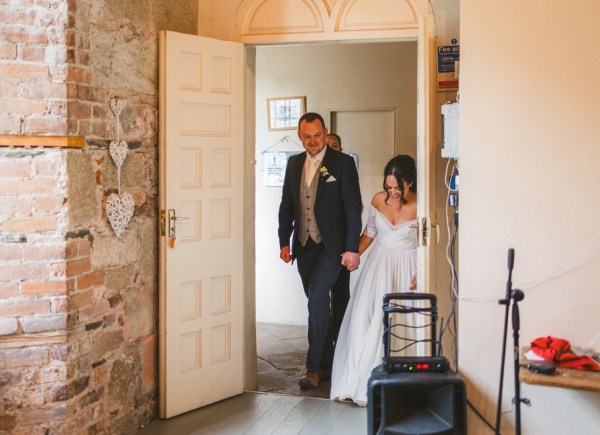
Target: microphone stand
x=516 y=296
x=506 y=302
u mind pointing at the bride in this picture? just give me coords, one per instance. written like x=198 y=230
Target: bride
x=390 y=267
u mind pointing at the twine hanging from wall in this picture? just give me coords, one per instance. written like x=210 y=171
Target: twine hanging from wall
x=119 y=207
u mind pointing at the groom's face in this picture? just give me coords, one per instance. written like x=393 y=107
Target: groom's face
x=312 y=135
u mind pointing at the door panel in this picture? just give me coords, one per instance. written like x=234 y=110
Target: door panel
x=426 y=147
x=201 y=271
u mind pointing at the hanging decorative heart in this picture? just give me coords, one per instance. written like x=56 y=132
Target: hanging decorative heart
x=116 y=105
x=118 y=151
x=119 y=209
x=119 y=206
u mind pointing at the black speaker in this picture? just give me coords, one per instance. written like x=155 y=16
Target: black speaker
x=424 y=403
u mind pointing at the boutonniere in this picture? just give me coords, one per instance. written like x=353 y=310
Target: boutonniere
x=324 y=173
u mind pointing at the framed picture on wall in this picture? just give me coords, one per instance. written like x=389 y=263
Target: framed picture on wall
x=284 y=113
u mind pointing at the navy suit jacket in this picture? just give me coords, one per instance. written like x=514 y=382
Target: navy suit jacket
x=337 y=205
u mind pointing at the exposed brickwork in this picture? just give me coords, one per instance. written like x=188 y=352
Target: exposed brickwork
x=31 y=247
x=77 y=267
x=28 y=54
x=8 y=289
x=30 y=224
x=64 y=275
x=46 y=288
x=8 y=325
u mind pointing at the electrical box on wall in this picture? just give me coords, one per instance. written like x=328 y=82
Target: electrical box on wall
x=450 y=133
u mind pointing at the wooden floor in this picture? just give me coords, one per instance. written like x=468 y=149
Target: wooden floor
x=278 y=406
x=266 y=413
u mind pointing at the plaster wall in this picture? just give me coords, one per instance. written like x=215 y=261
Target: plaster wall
x=529 y=176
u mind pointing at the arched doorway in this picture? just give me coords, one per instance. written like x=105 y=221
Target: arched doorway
x=271 y=22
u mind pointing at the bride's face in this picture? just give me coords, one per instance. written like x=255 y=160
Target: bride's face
x=392 y=187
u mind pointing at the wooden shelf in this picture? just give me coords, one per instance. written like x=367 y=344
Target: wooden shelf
x=561 y=378
x=14 y=341
x=12 y=141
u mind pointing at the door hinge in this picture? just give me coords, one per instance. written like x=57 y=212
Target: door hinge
x=163 y=223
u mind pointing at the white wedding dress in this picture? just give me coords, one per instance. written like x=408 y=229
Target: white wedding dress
x=388 y=268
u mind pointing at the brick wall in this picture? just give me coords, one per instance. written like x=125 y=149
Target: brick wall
x=32 y=67
x=78 y=306
x=33 y=288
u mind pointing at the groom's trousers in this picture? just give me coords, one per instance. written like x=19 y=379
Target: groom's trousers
x=319 y=274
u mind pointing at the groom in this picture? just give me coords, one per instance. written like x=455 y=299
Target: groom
x=320 y=212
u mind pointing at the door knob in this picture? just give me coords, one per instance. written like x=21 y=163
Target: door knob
x=424 y=231
x=172 y=220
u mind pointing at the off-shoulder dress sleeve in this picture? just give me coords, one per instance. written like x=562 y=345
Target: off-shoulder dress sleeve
x=371 y=228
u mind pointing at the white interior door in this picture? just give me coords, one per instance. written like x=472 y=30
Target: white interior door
x=426 y=117
x=201 y=269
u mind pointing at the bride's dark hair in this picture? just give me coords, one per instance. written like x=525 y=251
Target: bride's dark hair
x=402 y=168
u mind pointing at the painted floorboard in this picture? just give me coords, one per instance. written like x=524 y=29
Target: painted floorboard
x=299 y=417
x=239 y=414
x=271 y=419
x=279 y=406
x=265 y=413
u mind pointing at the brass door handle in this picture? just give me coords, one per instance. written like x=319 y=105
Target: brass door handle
x=172 y=219
x=424 y=229
x=419 y=228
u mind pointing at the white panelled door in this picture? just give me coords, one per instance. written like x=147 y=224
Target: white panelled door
x=426 y=116
x=201 y=243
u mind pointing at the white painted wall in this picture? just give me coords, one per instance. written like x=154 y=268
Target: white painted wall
x=446 y=13
x=332 y=77
x=529 y=178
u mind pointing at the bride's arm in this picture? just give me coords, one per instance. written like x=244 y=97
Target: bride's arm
x=364 y=242
x=370 y=230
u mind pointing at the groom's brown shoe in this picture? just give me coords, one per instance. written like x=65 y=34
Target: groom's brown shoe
x=309 y=379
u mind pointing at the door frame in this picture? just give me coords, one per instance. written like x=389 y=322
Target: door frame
x=423 y=30
x=426 y=124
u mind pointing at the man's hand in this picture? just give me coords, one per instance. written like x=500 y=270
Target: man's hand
x=351 y=260
x=284 y=254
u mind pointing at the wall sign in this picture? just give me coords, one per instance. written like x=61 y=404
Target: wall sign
x=274 y=164
x=448 y=57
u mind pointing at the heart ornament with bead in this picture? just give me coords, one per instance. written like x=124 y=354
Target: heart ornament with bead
x=118 y=152
x=119 y=209
x=119 y=206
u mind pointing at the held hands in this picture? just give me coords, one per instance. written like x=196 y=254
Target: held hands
x=351 y=260
x=284 y=254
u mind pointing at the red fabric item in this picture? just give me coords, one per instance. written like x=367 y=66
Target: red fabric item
x=558 y=351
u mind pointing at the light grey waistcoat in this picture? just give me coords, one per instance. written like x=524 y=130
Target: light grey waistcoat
x=308 y=224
